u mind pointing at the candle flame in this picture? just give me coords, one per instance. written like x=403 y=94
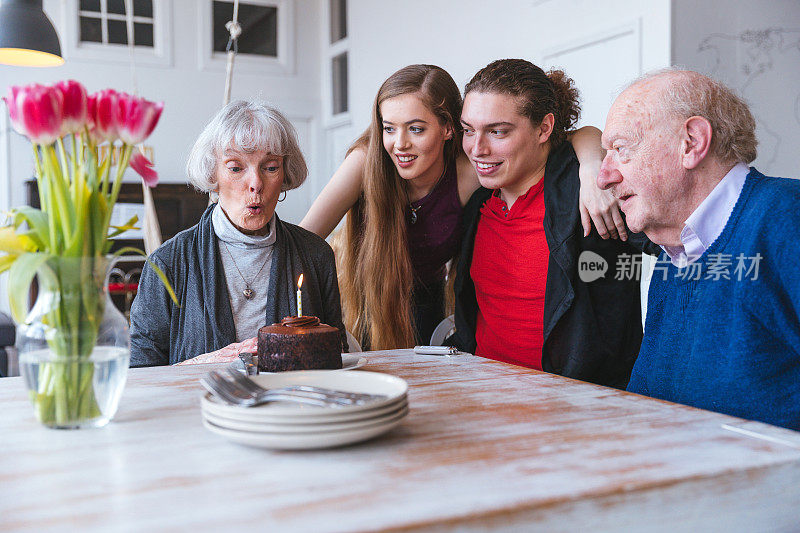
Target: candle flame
x=300 y=282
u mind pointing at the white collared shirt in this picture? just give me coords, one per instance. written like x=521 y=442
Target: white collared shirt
x=706 y=223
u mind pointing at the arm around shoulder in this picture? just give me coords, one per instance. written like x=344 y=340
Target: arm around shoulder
x=338 y=196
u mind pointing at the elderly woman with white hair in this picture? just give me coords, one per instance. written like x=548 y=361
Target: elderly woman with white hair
x=237 y=269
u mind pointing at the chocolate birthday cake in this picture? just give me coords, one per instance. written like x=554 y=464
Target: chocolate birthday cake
x=299 y=343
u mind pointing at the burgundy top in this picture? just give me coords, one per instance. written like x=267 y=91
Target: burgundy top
x=436 y=236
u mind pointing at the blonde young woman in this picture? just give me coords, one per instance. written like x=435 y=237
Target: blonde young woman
x=403 y=185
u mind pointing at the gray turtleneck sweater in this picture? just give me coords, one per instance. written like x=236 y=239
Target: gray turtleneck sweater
x=246 y=260
x=164 y=333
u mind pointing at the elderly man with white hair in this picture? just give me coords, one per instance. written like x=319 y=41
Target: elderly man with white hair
x=722 y=330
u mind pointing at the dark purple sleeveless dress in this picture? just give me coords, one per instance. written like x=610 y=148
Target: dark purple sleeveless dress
x=433 y=240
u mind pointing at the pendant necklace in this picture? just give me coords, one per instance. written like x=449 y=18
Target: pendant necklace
x=413 y=216
x=248 y=292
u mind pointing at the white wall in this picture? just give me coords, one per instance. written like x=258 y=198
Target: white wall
x=464 y=36
x=601 y=45
x=753 y=47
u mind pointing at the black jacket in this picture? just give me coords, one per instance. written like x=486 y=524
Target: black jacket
x=592 y=331
x=163 y=333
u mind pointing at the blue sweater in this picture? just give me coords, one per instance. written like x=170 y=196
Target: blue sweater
x=732 y=345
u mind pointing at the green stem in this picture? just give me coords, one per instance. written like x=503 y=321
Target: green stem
x=106 y=169
x=36 y=161
x=65 y=395
x=45 y=198
x=74 y=176
x=90 y=161
x=78 y=217
x=122 y=164
x=64 y=214
x=62 y=153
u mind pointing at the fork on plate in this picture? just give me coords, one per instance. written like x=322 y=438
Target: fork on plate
x=245 y=393
x=234 y=394
x=348 y=398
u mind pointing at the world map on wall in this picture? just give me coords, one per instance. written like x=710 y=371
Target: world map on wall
x=764 y=66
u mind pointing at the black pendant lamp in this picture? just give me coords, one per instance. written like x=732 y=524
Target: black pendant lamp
x=27 y=36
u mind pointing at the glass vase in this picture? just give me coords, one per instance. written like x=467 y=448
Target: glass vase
x=74 y=346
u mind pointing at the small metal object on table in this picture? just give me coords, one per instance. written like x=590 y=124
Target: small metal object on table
x=250 y=361
x=435 y=350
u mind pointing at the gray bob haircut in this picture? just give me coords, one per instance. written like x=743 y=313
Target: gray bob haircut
x=247 y=126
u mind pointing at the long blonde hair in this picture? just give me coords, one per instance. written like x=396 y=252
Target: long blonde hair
x=375 y=276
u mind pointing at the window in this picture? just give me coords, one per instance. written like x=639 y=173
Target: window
x=266 y=42
x=337 y=65
x=339 y=83
x=96 y=30
x=259 y=28
x=338 y=10
x=104 y=21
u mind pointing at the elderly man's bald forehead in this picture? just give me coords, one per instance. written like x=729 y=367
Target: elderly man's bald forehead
x=652 y=93
x=630 y=115
x=643 y=102
x=646 y=94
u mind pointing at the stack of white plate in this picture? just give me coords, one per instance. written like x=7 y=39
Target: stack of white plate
x=291 y=426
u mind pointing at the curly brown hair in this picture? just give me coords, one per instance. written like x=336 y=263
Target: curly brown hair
x=539 y=93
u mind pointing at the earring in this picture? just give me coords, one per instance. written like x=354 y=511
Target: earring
x=284 y=196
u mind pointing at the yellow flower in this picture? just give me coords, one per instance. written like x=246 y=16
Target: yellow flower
x=13 y=243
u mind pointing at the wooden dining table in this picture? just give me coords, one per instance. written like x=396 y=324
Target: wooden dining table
x=486 y=446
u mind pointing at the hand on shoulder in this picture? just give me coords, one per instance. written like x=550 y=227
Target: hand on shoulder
x=596 y=206
x=600 y=207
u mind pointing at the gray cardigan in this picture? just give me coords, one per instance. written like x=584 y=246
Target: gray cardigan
x=163 y=333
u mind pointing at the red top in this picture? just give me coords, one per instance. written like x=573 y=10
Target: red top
x=509 y=270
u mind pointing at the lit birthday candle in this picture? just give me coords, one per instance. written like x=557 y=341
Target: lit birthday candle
x=299 y=296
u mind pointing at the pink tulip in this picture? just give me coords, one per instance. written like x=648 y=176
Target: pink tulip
x=144 y=168
x=75 y=106
x=91 y=111
x=137 y=118
x=102 y=117
x=13 y=111
x=36 y=112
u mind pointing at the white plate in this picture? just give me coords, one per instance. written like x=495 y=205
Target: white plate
x=393 y=388
x=260 y=427
x=302 y=441
x=256 y=415
x=350 y=361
